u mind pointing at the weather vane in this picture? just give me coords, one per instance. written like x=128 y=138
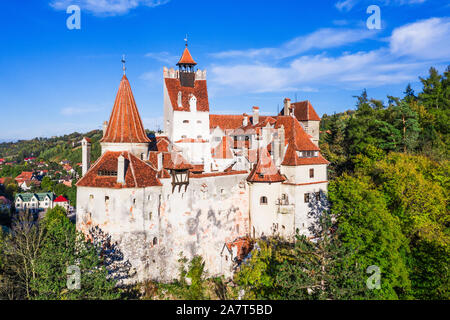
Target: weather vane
x=123 y=62
x=186 y=39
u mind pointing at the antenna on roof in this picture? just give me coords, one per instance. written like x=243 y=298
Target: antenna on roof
x=186 y=40
x=123 y=62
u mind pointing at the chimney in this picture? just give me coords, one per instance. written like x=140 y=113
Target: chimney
x=85 y=155
x=287 y=106
x=282 y=141
x=276 y=150
x=245 y=120
x=160 y=161
x=121 y=169
x=105 y=126
x=255 y=115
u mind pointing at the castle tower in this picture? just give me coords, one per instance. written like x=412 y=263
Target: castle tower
x=86 y=155
x=125 y=131
x=264 y=188
x=186 y=111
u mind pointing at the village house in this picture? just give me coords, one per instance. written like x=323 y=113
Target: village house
x=35 y=202
x=208 y=185
x=62 y=202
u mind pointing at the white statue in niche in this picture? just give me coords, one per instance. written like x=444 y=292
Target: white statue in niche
x=193 y=103
x=180 y=103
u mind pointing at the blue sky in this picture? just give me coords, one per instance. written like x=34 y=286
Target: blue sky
x=54 y=80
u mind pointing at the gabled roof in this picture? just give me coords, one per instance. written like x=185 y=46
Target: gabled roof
x=186 y=58
x=199 y=90
x=138 y=173
x=265 y=170
x=294 y=130
x=232 y=121
x=26 y=197
x=125 y=124
x=25 y=175
x=291 y=158
x=303 y=111
x=60 y=199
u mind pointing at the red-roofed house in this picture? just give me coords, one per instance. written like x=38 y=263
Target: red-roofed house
x=62 y=202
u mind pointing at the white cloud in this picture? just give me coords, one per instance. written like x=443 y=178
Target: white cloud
x=428 y=39
x=106 y=7
x=72 y=111
x=320 y=39
x=347 y=5
x=411 y=50
x=163 y=56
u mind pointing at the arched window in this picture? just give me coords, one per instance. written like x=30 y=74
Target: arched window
x=263 y=200
x=155 y=241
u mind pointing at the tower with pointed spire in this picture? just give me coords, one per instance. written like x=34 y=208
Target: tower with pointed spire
x=186 y=111
x=125 y=130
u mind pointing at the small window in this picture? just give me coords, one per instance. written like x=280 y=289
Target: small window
x=237 y=228
x=183 y=136
x=199 y=121
x=142 y=156
x=185 y=121
x=155 y=241
x=318 y=196
x=311 y=173
x=199 y=137
x=106 y=199
x=91 y=197
x=150 y=215
x=306 y=197
x=263 y=200
x=134 y=202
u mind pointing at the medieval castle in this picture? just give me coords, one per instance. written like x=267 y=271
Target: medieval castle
x=203 y=187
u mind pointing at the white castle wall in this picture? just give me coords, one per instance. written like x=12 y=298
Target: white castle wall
x=212 y=211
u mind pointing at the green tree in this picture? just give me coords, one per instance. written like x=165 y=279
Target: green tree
x=65 y=247
x=367 y=228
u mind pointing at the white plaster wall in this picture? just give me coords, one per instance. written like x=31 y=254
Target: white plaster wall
x=193 y=129
x=137 y=149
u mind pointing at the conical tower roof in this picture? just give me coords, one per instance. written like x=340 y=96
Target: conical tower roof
x=125 y=124
x=186 y=58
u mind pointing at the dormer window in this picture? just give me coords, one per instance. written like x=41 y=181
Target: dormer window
x=193 y=103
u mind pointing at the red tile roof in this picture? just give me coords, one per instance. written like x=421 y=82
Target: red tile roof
x=186 y=58
x=199 y=90
x=243 y=245
x=303 y=111
x=198 y=168
x=60 y=199
x=139 y=174
x=125 y=124
x=227 y=121
x=265 y=170
x=291 y=158
x=24 y=176
x=294 y=130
